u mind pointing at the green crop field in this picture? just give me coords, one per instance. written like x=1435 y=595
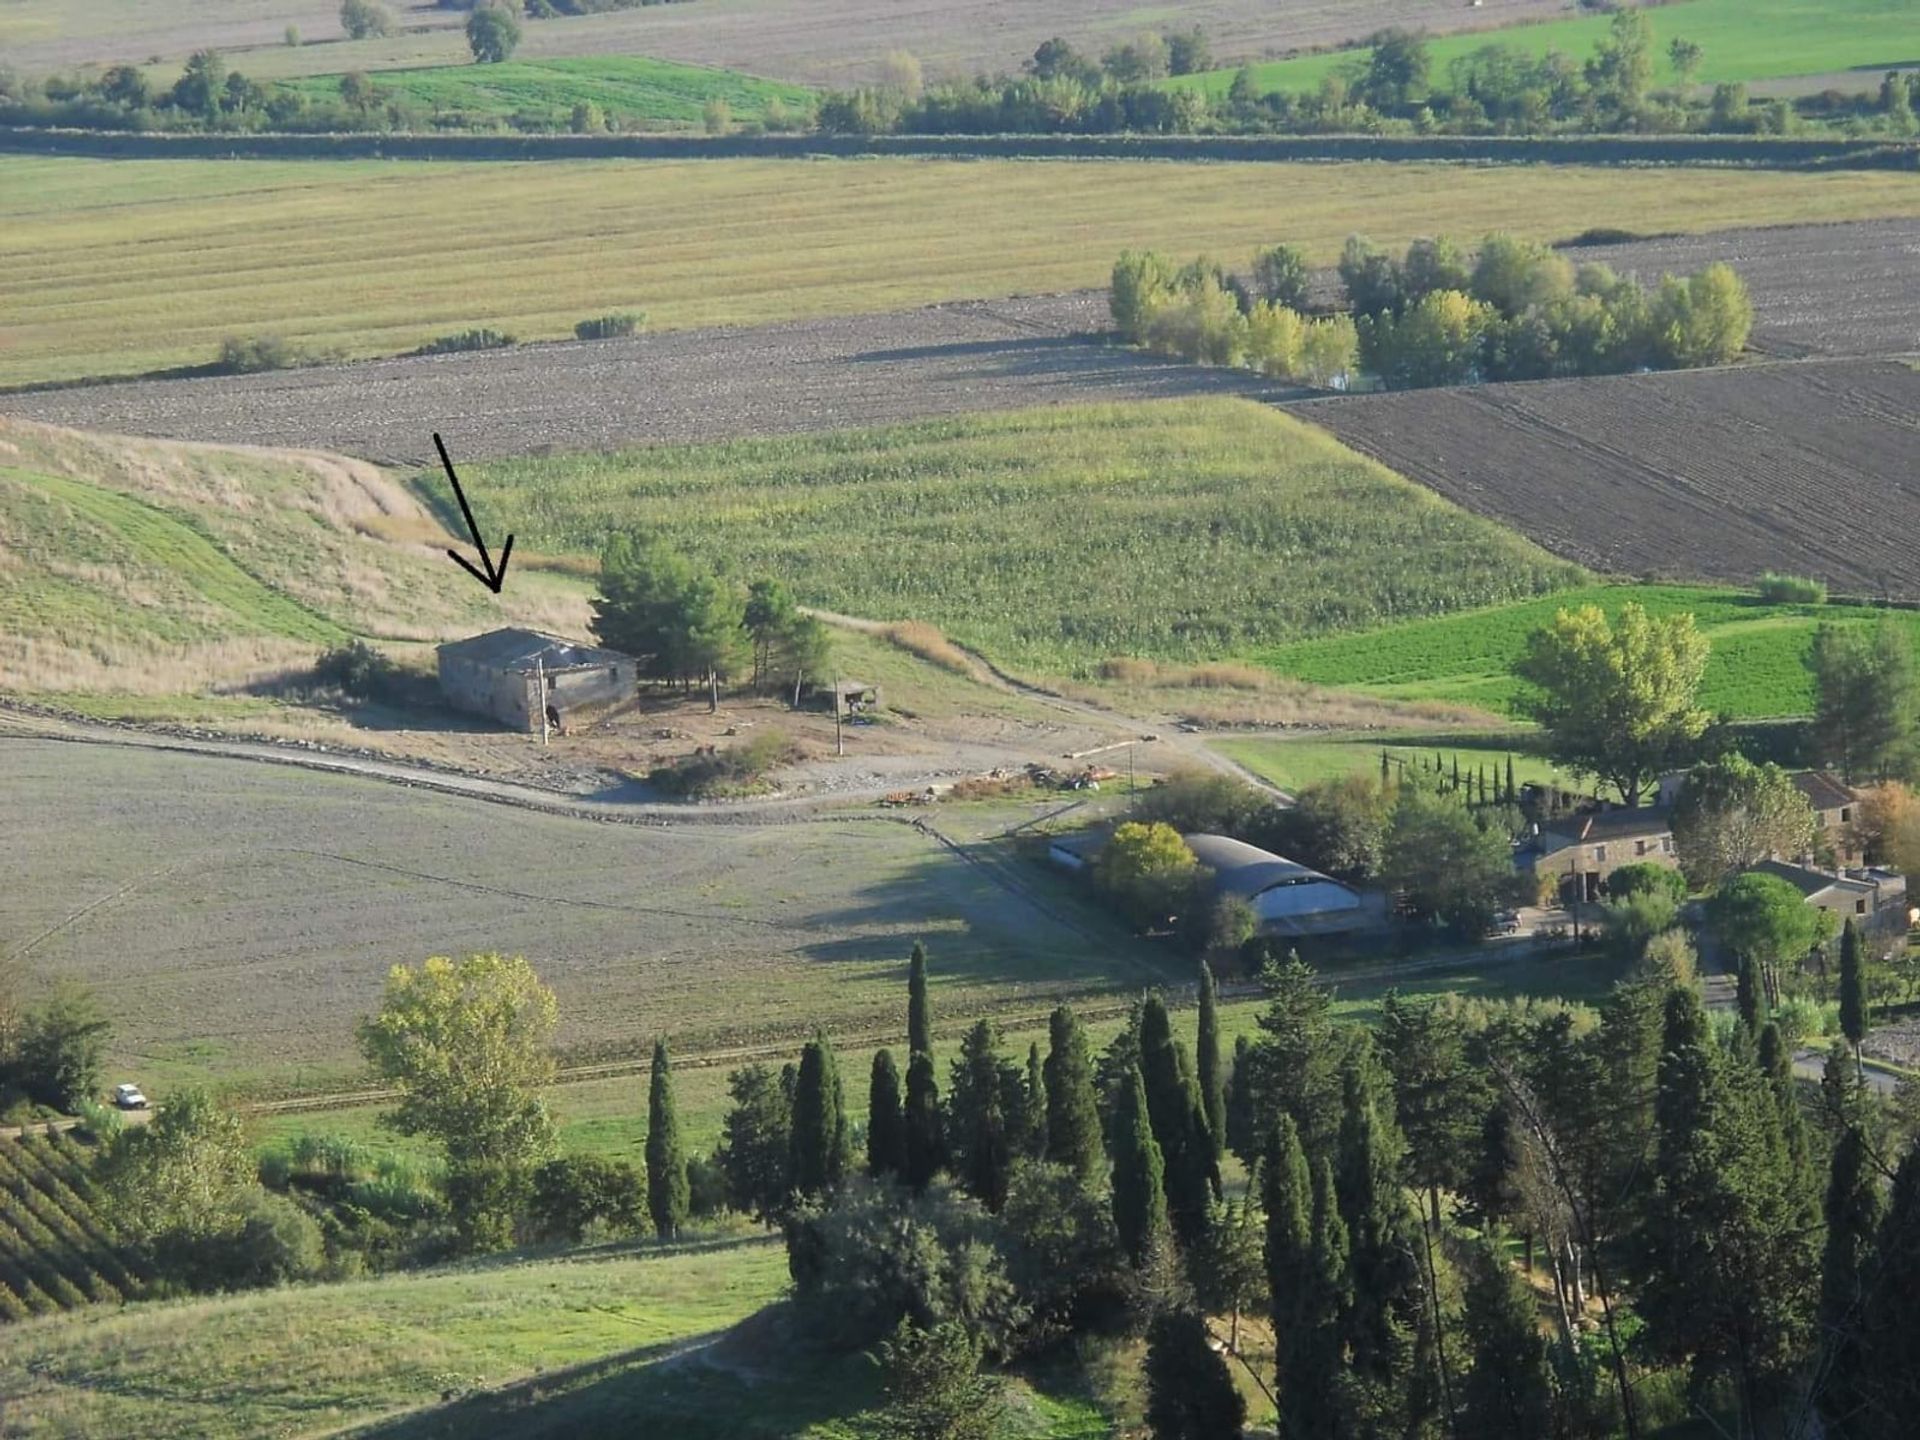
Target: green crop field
x=314 y=1359
x=1756 y=669
x=112 y=267
x=1052 y=538
x=624 y=87
x=1741 y=40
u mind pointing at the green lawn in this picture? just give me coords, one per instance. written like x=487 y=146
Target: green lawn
x=1742 y=40
x=1292 y=763
x=313 y=1359
x=1052 y=538
x=120 y=266
x=625 y=87
x=1756 y=670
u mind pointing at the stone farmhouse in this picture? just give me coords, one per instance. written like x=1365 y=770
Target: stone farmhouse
x=1582 y=850
x=516 y=676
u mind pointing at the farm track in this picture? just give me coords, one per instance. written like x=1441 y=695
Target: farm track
x=1804 y=467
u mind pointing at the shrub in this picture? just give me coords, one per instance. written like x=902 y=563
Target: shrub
x=1792 y=589
x=358 y=670
x=617 y=326
x=577 y=1191
x=253 y=354
x=716 y=116
x=464 y=340
x=1646 y=878
x=721 y=774
x=365 y=20
x=706 y=1186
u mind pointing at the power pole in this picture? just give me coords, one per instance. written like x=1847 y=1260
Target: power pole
x=540 y=698
x=839 y=741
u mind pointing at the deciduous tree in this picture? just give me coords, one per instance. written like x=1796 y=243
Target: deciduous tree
x=1732 y=814
x=493 y=33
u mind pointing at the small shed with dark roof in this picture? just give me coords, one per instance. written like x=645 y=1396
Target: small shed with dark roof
x=513 y=675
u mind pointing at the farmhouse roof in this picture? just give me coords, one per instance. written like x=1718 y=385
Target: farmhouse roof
x=1247 y=870
x=1811 y=883
x=1618 y=823
x=514 y=649
x=1081 y=844
x=1824 y=790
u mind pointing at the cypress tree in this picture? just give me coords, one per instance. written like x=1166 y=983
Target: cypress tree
x=1033 y=1137
x=1293 y=1280
x=1513 y=795
x=1241 y=1123
x=818 y=1157
x=1206 y=1051
x=1456 y=774
x=919 y=1010
x=886 y=1121
x=1852 y=1211
x=1890 y=1332
x=1190 y=1394
x=1776 y=1063
x=1139 y=1195
x=1509 y=1393
x=1853 y=991
x=1385 y=1310
x=1173 y=1103
x=1747 y=995
x=926 y=1141
x=977 y=1106
x=667 y=1192
x=1073 y=1112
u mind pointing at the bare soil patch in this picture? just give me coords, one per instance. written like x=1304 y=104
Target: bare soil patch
x=1712 y=475
x=1850 y=289
x=687 y=385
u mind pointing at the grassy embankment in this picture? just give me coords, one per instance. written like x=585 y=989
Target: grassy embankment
x=631 y=89
x=1053 y=539
x=1741 y=41
x=114 y=267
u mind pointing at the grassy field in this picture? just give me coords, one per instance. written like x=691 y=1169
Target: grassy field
x=1756 y=669
x=628 y=88
x=312 y=1360
x=118 y=267
x=1291 y=763
x=148 y=567
x=1742 y=40
x=1051 y=538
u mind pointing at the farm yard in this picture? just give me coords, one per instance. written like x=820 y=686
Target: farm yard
x=238 y=919
x=122 y=267
x=1830 y=289
x=1802 y=467
x=1756 y=670
x=676 y=386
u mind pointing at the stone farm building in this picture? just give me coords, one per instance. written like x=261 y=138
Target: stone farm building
x=1581 y=851
x=501 y=674
x=1873 y=898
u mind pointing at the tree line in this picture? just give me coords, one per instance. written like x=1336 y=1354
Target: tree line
x=1440 y=315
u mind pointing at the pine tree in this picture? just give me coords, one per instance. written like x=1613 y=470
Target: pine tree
x=1139 y=1195
x=978 y=1107
x=1033 y=1129
x=1853 y=990
x=886 y=1121
x=1852 y=1212
x=1890 y=1330
x=1190 y=1394
x=1206 y=1051
x=1073 y=1111
x=667 y=1193
x=1173 y=1103
x=818 y=1161
x=1508 y=1395
x=919 y=1009
x=926 y=1140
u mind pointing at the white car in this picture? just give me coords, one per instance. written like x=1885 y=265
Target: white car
x=128 y=1097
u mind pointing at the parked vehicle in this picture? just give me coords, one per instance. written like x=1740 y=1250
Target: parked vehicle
x=1505 y=922
x=129 y=1097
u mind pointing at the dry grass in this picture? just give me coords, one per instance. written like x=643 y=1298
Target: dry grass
x=113 y=267
x=1133 y=670
x=916 y=637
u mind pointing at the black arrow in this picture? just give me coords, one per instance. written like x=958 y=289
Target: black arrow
x=491 y=578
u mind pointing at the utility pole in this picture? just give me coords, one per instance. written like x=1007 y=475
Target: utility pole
x=540 y=697
x=839 y=740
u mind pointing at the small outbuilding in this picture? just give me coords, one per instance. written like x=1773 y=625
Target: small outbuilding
x=516 y=676
x=846 y=698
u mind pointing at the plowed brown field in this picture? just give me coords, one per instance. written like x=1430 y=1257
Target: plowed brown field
x=1805 y=467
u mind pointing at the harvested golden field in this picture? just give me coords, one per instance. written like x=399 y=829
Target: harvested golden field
x=118 y=267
